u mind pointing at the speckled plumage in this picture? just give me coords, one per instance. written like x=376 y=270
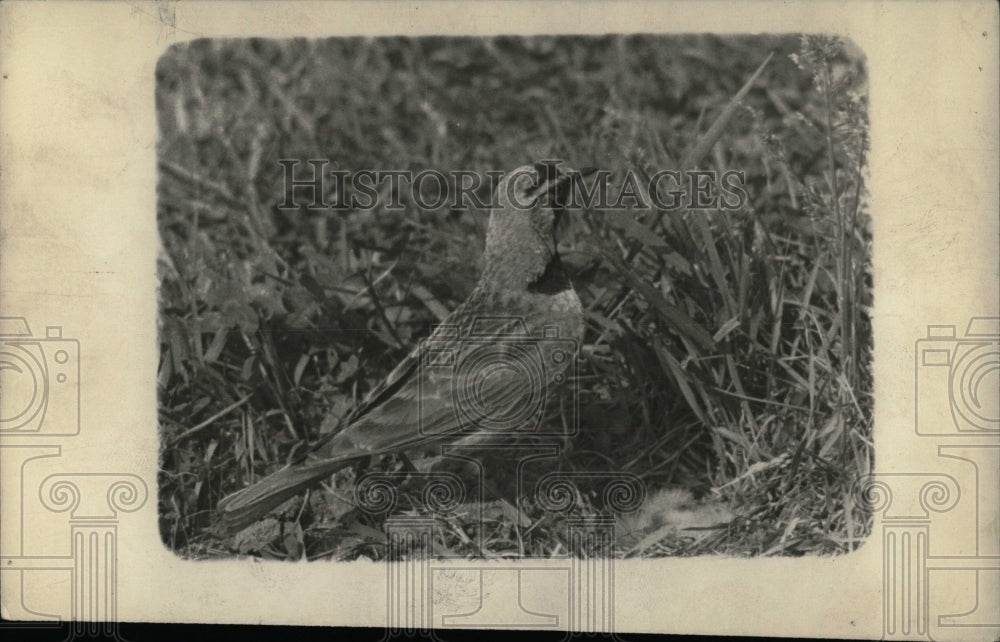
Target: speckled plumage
x=522 y=279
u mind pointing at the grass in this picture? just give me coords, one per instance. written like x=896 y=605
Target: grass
x=726 y=361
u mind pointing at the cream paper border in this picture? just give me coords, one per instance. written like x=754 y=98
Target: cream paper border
x=79 y=246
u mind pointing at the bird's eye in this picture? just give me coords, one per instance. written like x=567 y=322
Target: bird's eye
x=541 y=173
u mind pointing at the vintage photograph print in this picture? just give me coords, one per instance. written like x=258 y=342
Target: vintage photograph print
x=514 y=297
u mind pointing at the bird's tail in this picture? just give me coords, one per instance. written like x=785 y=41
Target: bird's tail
x=244 y=507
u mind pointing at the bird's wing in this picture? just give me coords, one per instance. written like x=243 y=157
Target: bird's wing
x=415 y=404
x=415 y=407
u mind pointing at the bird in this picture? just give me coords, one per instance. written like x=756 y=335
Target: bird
x=522 y=319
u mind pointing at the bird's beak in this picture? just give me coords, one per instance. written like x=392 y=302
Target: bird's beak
x=557 y=194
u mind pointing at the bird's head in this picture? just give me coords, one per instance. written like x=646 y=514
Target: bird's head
x=528 y=203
